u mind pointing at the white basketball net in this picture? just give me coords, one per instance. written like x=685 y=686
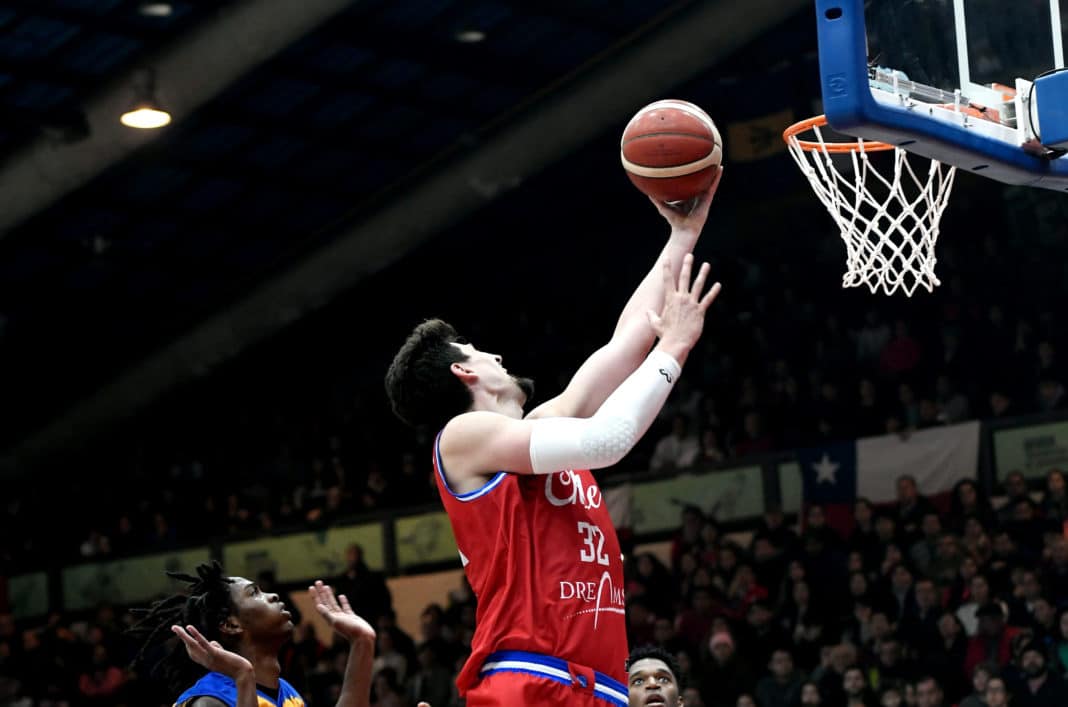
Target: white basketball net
x=890 y=239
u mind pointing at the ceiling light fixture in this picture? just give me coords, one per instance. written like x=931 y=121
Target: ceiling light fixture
x=470 y=36
x=146 y=112
x=156 y=9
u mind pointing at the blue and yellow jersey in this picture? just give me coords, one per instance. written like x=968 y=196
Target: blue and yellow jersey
x=223 y=688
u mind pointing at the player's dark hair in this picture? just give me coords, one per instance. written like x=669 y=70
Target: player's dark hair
x=657 y=653
x=420 y=386
x=206 y=606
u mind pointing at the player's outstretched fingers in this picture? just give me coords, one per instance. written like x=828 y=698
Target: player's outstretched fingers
x=321 y=604
x=710 y=297
x=198 y=647
x=199 y=637
x=184 y=636
x=684 y=273
x=345 y=604
x=333 y=599
x=699 y=283
x=326 y=595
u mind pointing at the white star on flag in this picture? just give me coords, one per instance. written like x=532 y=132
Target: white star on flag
x=463 y=558
x=825 y=470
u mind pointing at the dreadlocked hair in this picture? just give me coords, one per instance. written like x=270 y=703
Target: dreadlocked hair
x=206 y=605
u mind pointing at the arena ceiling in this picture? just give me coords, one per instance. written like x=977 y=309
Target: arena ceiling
x=312 y=144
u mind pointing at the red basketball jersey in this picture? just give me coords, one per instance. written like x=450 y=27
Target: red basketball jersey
x=542 y=557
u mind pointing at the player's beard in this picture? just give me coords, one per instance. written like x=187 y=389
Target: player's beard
x=526 y=386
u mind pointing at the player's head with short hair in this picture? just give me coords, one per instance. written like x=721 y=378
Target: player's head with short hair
x=653 y=677
x=230 y=610
x=419 y=384
x=436 y=374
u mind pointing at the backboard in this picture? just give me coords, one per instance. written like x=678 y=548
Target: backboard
x=952 y=80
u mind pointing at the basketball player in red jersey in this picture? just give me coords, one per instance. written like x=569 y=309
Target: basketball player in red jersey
x=534 y=534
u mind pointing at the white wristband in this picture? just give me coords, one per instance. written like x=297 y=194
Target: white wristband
x=667 y=365
x=563 y=443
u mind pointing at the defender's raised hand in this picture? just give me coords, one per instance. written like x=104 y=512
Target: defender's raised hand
x=339 y=614
x=211 y=655
x=682 y=319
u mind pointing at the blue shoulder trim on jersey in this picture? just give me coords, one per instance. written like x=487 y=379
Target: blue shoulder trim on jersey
x=482 y=490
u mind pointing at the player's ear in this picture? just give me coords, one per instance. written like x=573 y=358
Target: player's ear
x=230 y=627
x=465 y=373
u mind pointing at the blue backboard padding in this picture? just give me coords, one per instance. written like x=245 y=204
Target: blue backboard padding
x=1051 y=95
x=850 y=108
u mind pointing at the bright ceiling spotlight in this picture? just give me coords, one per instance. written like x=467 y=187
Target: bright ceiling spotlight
x=146 y=112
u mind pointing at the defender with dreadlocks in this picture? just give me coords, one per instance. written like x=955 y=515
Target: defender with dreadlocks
x=230 y=627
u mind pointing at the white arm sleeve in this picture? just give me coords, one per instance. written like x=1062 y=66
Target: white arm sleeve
x=559 y=443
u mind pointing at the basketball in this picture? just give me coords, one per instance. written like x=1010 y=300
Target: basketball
x=671 y=150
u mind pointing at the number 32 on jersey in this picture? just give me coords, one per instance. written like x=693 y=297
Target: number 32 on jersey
x=592 y=549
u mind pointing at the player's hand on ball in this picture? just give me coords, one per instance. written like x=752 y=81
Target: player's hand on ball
x=339 y=614
x=690 y=215
x=682 y=319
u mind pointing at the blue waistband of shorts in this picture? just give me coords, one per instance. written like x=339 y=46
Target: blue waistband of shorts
x=609 y=690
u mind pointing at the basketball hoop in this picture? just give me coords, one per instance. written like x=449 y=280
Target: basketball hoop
x=890 y=238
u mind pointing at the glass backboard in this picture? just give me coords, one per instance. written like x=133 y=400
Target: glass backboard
x=966 y=44
x=947 y=79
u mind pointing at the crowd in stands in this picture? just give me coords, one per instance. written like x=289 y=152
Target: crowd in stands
x=915 y=605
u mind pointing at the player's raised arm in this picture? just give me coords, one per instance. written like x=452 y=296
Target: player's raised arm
x=633 y=336
x=482 y=442
x=356 y=684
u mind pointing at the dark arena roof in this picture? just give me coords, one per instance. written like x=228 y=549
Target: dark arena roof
x=117 y=248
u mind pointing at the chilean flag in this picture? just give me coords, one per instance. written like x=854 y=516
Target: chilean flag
x=835 y=475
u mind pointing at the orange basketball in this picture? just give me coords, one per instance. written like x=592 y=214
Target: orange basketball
x=671 y=150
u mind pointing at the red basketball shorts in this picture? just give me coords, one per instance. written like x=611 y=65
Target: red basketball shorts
x=519 y=678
